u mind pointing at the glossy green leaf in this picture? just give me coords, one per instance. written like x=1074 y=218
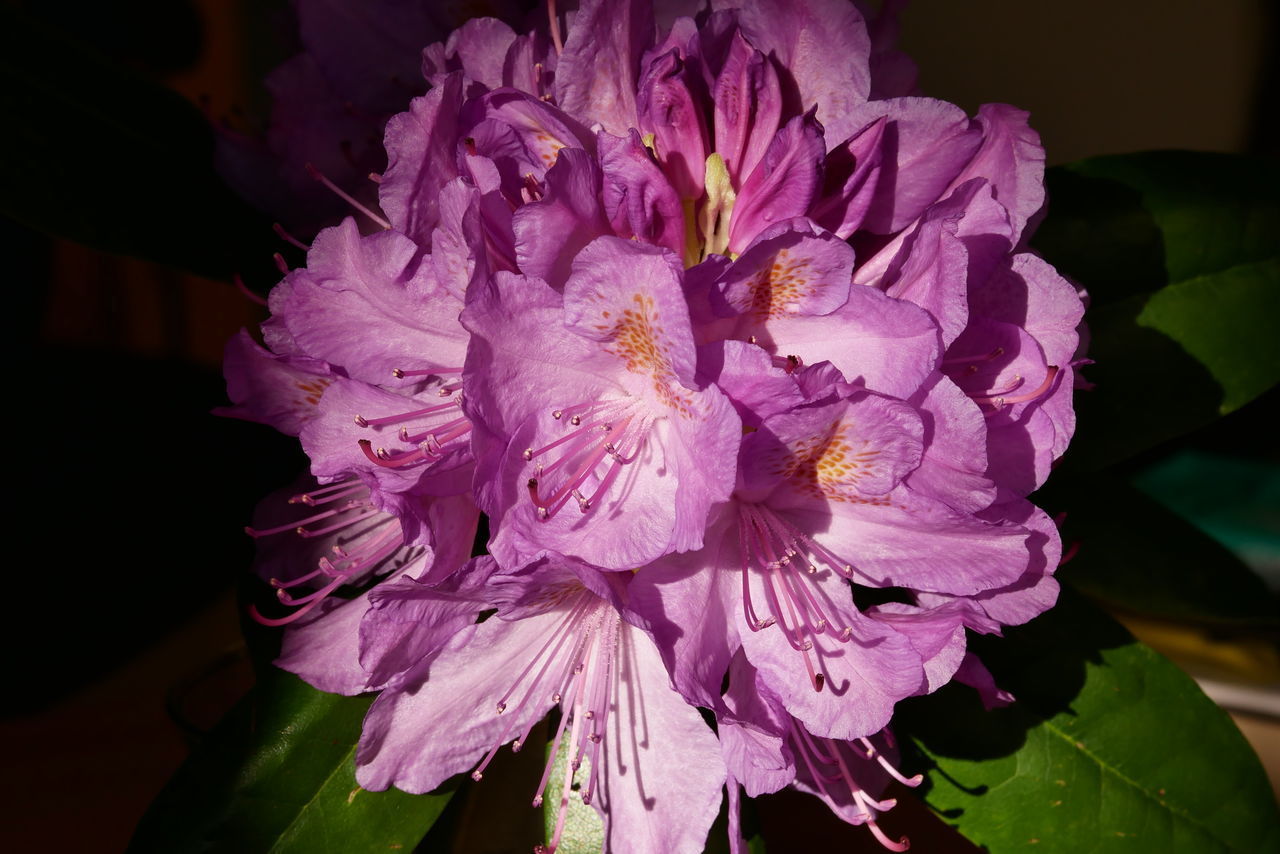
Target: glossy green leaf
x=279 y=776
x=97 y=154
x=1226 y=322
x=1109 y=748
x=583 y=831
x=1136 y=555
x=1131 y=223
x=1180 y=253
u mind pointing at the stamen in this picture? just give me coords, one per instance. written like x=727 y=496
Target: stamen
x=586 y=449
x=297 y=526
x=370 y=547
x=245 y=292
x=753 y=622
x=547 y=654
x=404 y=416
x=289 y=238
x=999 y=401
x=274 y=622
x=902 y=844
x=308 y=533
x=800 y=608
x=400 y=373
x=384 y=459
x=347 y=197
x=873 y=753
x=281 y=264
x=807 y=747
x=960 y=360
x=325 y=494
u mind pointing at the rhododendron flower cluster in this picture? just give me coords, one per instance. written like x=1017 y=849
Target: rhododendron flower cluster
x=737 y=346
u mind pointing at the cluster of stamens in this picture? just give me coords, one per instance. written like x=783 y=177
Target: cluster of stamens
x=788 y=561
x=428 y=442
x=576 y=668
x=828 y=765
x=367 y=540
x=604 y=433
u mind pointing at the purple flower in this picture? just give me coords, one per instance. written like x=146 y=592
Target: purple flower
x=594 y=438
x=766 y=749
x=721 y=326
x=638 y=752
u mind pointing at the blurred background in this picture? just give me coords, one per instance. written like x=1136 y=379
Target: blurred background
x=123 y=641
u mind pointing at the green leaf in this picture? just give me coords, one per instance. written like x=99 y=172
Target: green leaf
x=97 y=154
x=1226 y=322
x=1109 y=748
x=279 y=776
x=583 y=828
x=1131 y=223
x=1180 y=253
x=1136 y=555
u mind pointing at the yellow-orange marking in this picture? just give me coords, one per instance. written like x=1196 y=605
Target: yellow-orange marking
x=776 y=291
x=637 y=337
x=830 y=464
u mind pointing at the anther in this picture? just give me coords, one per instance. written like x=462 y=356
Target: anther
x=527 y=455
x=360 y=420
